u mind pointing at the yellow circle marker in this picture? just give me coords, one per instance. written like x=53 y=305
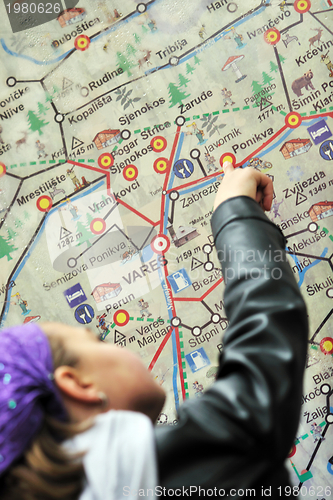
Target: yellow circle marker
x=44 y=203
x=293 y=119
x=98 y=226
x=328 y=345
x=2 y=169
x=302 y=6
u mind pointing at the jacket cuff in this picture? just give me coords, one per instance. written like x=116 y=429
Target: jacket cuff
x=237 y=208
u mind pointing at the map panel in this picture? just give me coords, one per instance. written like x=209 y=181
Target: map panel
x=115 y=120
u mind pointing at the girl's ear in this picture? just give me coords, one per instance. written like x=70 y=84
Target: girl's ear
x=74 y=386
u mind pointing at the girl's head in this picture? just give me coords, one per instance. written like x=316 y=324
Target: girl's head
x=97 y=367
x=61 y=371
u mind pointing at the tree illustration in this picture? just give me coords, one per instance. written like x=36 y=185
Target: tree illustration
x=282 y=59
x=86 y=234
x=183 y=80
x=18 y=223
x=42 y=109
x=26 y=214
x=209 y=122
x=189 y=69
x=90 y=218
x=197 y=60
x=6 y=249
x=11 y=234
x=56 y=89
x=130 y=50
x=48 y=97
x=126 y=100
x=124 y=63
x=273 y=67
x=256 y=89
x=175 y=95
x=35 y=123
x=266 y=79
x=144 y=29
x=137 y=39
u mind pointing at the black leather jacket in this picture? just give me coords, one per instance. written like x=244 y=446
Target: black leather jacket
x=239 y=433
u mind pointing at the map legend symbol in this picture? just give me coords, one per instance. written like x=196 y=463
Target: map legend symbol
x=76 y=142
x=302 y=6
x=75 y=295
x=84 y=314
x=319 y=132
x=183 y=168
x=105 y=160
x=179 y=280
x=160 y=165
x=326 y=150
x=197 y=359
x=64 y=233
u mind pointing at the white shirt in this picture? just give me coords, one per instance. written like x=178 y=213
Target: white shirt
x=120 y=461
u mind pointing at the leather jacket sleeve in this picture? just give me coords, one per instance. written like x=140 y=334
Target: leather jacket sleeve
x=239 y=433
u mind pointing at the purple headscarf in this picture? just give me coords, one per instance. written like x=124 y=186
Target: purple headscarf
x=27 y=389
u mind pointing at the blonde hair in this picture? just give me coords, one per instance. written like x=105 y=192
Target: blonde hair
x=47 y=471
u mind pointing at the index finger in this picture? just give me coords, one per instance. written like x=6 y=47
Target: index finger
x=265 y=184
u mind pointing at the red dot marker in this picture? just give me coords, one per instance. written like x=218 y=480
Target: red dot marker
x=130 y=173
x=228 y=157
x=302 y=6
x=44 y=203
x=293 y=119
x=105 y=160
x=161 y=165
x=82 y=42
x=2 y=169
x=121 y=317
x=272 y=36
x=158 y=144
x=160 y=244
x=326 y=345
x=97 y=226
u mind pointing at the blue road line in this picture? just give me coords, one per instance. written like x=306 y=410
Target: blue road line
x=19 y=269
x=174 y=344
x=31 y=59
x=301 y=273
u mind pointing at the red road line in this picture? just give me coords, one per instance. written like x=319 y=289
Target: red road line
x=330 y=113
x=136 y=212
x=175 y=142
x=264 y=144
x=163 y=343
x=159 y=350
x=199 y=299
x=89 y=167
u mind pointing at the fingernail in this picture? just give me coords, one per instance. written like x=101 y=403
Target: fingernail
x=226 y=163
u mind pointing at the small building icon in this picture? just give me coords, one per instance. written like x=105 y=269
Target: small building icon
x=295 y=147
x=71 y=16
x=321 y=210
x=106 y=291
x=182 y=235
x=106 y=138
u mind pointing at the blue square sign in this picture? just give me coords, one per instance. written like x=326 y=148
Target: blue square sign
x=319 y=132
x=197 y=359
x=75 y=295
x=179 y=280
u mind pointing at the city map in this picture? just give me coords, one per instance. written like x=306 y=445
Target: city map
x=115 y=120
